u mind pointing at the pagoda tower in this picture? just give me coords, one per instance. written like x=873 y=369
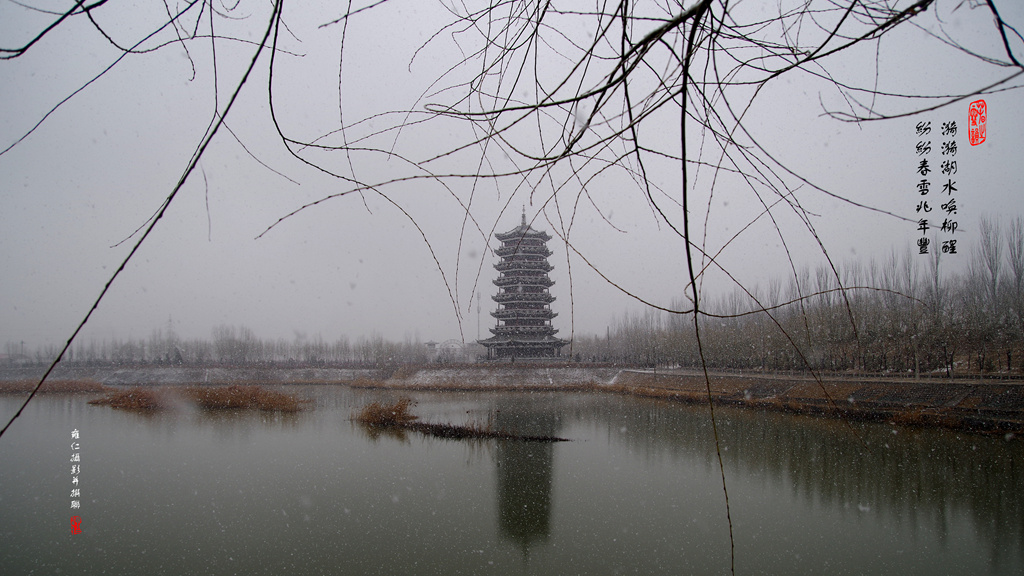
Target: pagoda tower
x=524 y=300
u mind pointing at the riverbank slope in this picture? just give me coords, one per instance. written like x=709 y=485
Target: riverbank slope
x=978 y=405
x=982 y=405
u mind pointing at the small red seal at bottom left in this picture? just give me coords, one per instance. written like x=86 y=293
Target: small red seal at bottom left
x=76 y=524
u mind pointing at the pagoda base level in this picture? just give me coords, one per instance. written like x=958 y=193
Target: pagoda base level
x=523 y=354
x=515 y=352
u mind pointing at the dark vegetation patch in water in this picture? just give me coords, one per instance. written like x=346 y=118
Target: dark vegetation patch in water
x=380 y=416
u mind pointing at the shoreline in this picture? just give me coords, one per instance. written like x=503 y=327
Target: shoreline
x=993 y=406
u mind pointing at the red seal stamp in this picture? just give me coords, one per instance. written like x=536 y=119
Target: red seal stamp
x=76 y=524
x=977 y=115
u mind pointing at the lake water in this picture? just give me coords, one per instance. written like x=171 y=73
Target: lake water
x=637 y=491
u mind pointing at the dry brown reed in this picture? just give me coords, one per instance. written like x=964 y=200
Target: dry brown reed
x=382 y=415
x=207 y=397
x=140 y=398
x=241 y=397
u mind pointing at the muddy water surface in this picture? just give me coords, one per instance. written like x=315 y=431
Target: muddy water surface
x=637 y=491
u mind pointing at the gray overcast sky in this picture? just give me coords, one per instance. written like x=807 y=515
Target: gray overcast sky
x=102 y=163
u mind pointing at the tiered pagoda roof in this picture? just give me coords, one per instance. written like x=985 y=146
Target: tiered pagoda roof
x=524 y=314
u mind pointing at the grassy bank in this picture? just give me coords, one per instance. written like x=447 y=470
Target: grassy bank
x=994 y=406
x=980 y=406
x=53 y=387
x=975 y=407
x=151 y=398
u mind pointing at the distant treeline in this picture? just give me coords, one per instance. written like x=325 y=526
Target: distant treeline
x=904 y=314
x=230 y=346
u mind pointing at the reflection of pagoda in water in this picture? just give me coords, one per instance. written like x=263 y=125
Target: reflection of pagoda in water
x=524 y=300
x=524 y=492
x=525 y=475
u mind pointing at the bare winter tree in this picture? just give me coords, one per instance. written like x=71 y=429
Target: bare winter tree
x=1015 y=245
x=557 y=95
